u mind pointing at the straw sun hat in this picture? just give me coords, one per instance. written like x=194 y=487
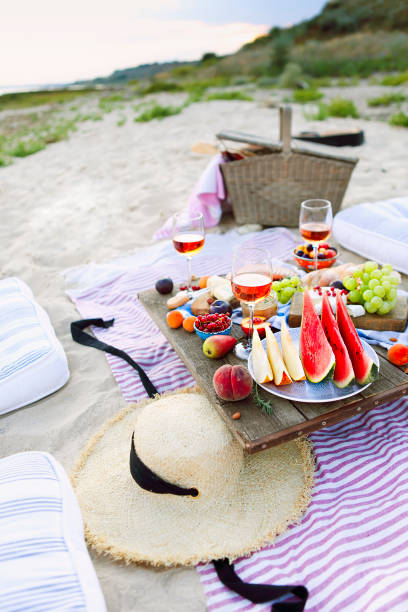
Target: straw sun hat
x=234 y=503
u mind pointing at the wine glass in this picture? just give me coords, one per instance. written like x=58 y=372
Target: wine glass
x=251 y=281
x=315 y=221
x=188 y=239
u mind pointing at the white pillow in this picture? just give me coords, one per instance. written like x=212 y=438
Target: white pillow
x=32 y=360
x=378 y=231
x=44 y=563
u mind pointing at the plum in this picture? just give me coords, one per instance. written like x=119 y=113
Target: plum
x=164 y=285
x=220 y=307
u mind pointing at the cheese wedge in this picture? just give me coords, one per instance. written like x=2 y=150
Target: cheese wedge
x=262 y=369
x=280 y=373
x=291 y=354
x=220 y=288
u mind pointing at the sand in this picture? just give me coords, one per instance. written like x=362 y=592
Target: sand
x=101 y=194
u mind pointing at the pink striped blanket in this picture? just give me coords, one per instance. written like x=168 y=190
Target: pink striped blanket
x=351 y=548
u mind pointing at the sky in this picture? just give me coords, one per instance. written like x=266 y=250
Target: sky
x=46 y=41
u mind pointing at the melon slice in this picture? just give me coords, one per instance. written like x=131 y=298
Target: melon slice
x=280 y=373
x=291 y=354
x=343 y=372
x=262 y=369
x=364 y=367
x=316 y=354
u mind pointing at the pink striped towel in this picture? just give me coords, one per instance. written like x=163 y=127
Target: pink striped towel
x=351 y=548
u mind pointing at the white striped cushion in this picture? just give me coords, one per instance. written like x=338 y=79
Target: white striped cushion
x=32 y=361
x=377 y=230
x=44 y=563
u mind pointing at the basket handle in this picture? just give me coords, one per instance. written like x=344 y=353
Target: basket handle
x=285 y=116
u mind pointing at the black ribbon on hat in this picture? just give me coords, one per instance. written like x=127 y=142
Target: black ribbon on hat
x=283 y=598
x=152 y=482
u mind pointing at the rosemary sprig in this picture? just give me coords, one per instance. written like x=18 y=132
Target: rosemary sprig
x=265 y=406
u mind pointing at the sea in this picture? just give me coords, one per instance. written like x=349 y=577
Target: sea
x=6 y=89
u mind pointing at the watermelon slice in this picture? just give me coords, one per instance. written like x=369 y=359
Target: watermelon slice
x=343 y=372
x=315 y=351
x=364 y=367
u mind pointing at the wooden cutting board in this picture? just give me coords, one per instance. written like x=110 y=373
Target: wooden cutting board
x=255 y=430
x=396 y=320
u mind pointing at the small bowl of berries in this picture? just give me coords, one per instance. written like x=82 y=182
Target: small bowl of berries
x=304 y=255
x=212 y=324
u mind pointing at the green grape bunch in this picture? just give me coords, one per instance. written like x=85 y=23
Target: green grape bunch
x=373 y=288
x=286 y=287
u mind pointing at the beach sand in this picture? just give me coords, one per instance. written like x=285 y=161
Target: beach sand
x=99 y=195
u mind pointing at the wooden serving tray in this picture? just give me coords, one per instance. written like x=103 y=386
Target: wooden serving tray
x=256 y=430
x=396 y=320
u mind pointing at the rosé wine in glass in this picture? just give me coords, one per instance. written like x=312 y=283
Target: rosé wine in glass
x=251 y=282
x=188 y=239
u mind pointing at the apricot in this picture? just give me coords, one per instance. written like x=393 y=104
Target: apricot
x=188 y=324
x=174 y=319
x=202 y=283
x=398 y=354
x=232 y=383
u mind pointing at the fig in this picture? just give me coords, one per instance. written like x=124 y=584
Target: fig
x=337 y=285
x=164 y=286
x=220 y=307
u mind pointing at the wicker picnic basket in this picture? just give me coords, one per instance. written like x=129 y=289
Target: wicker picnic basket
x=268 y=186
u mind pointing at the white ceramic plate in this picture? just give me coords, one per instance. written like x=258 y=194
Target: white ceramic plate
x=305 y=391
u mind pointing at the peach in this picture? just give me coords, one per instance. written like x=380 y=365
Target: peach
x=398 y=354
x=232 y=383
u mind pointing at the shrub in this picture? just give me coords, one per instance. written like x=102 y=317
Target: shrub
x=27 y=147
x=348 y=82
x=259 y=70
x=320 y=82
x=320 y=114
x=229 y=95
x=341 y=107
x=209 y=58
x=89 y=117
x=161 y=86
x=58 y=131
x=240 y=79
x=158 y=112
x=280 y=53
x=395 y=79
x=4 y=161
x=291 y=76
x=183 y=71
x=196 y=92
x=267 y=81
x=121 y=121
x=108 y=103
x=307 y=95
x=386 y=99
x=400 y=119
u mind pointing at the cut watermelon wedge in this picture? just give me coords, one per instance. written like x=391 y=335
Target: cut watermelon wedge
x=315 y=352
x=364 y=367
x=343 y=372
